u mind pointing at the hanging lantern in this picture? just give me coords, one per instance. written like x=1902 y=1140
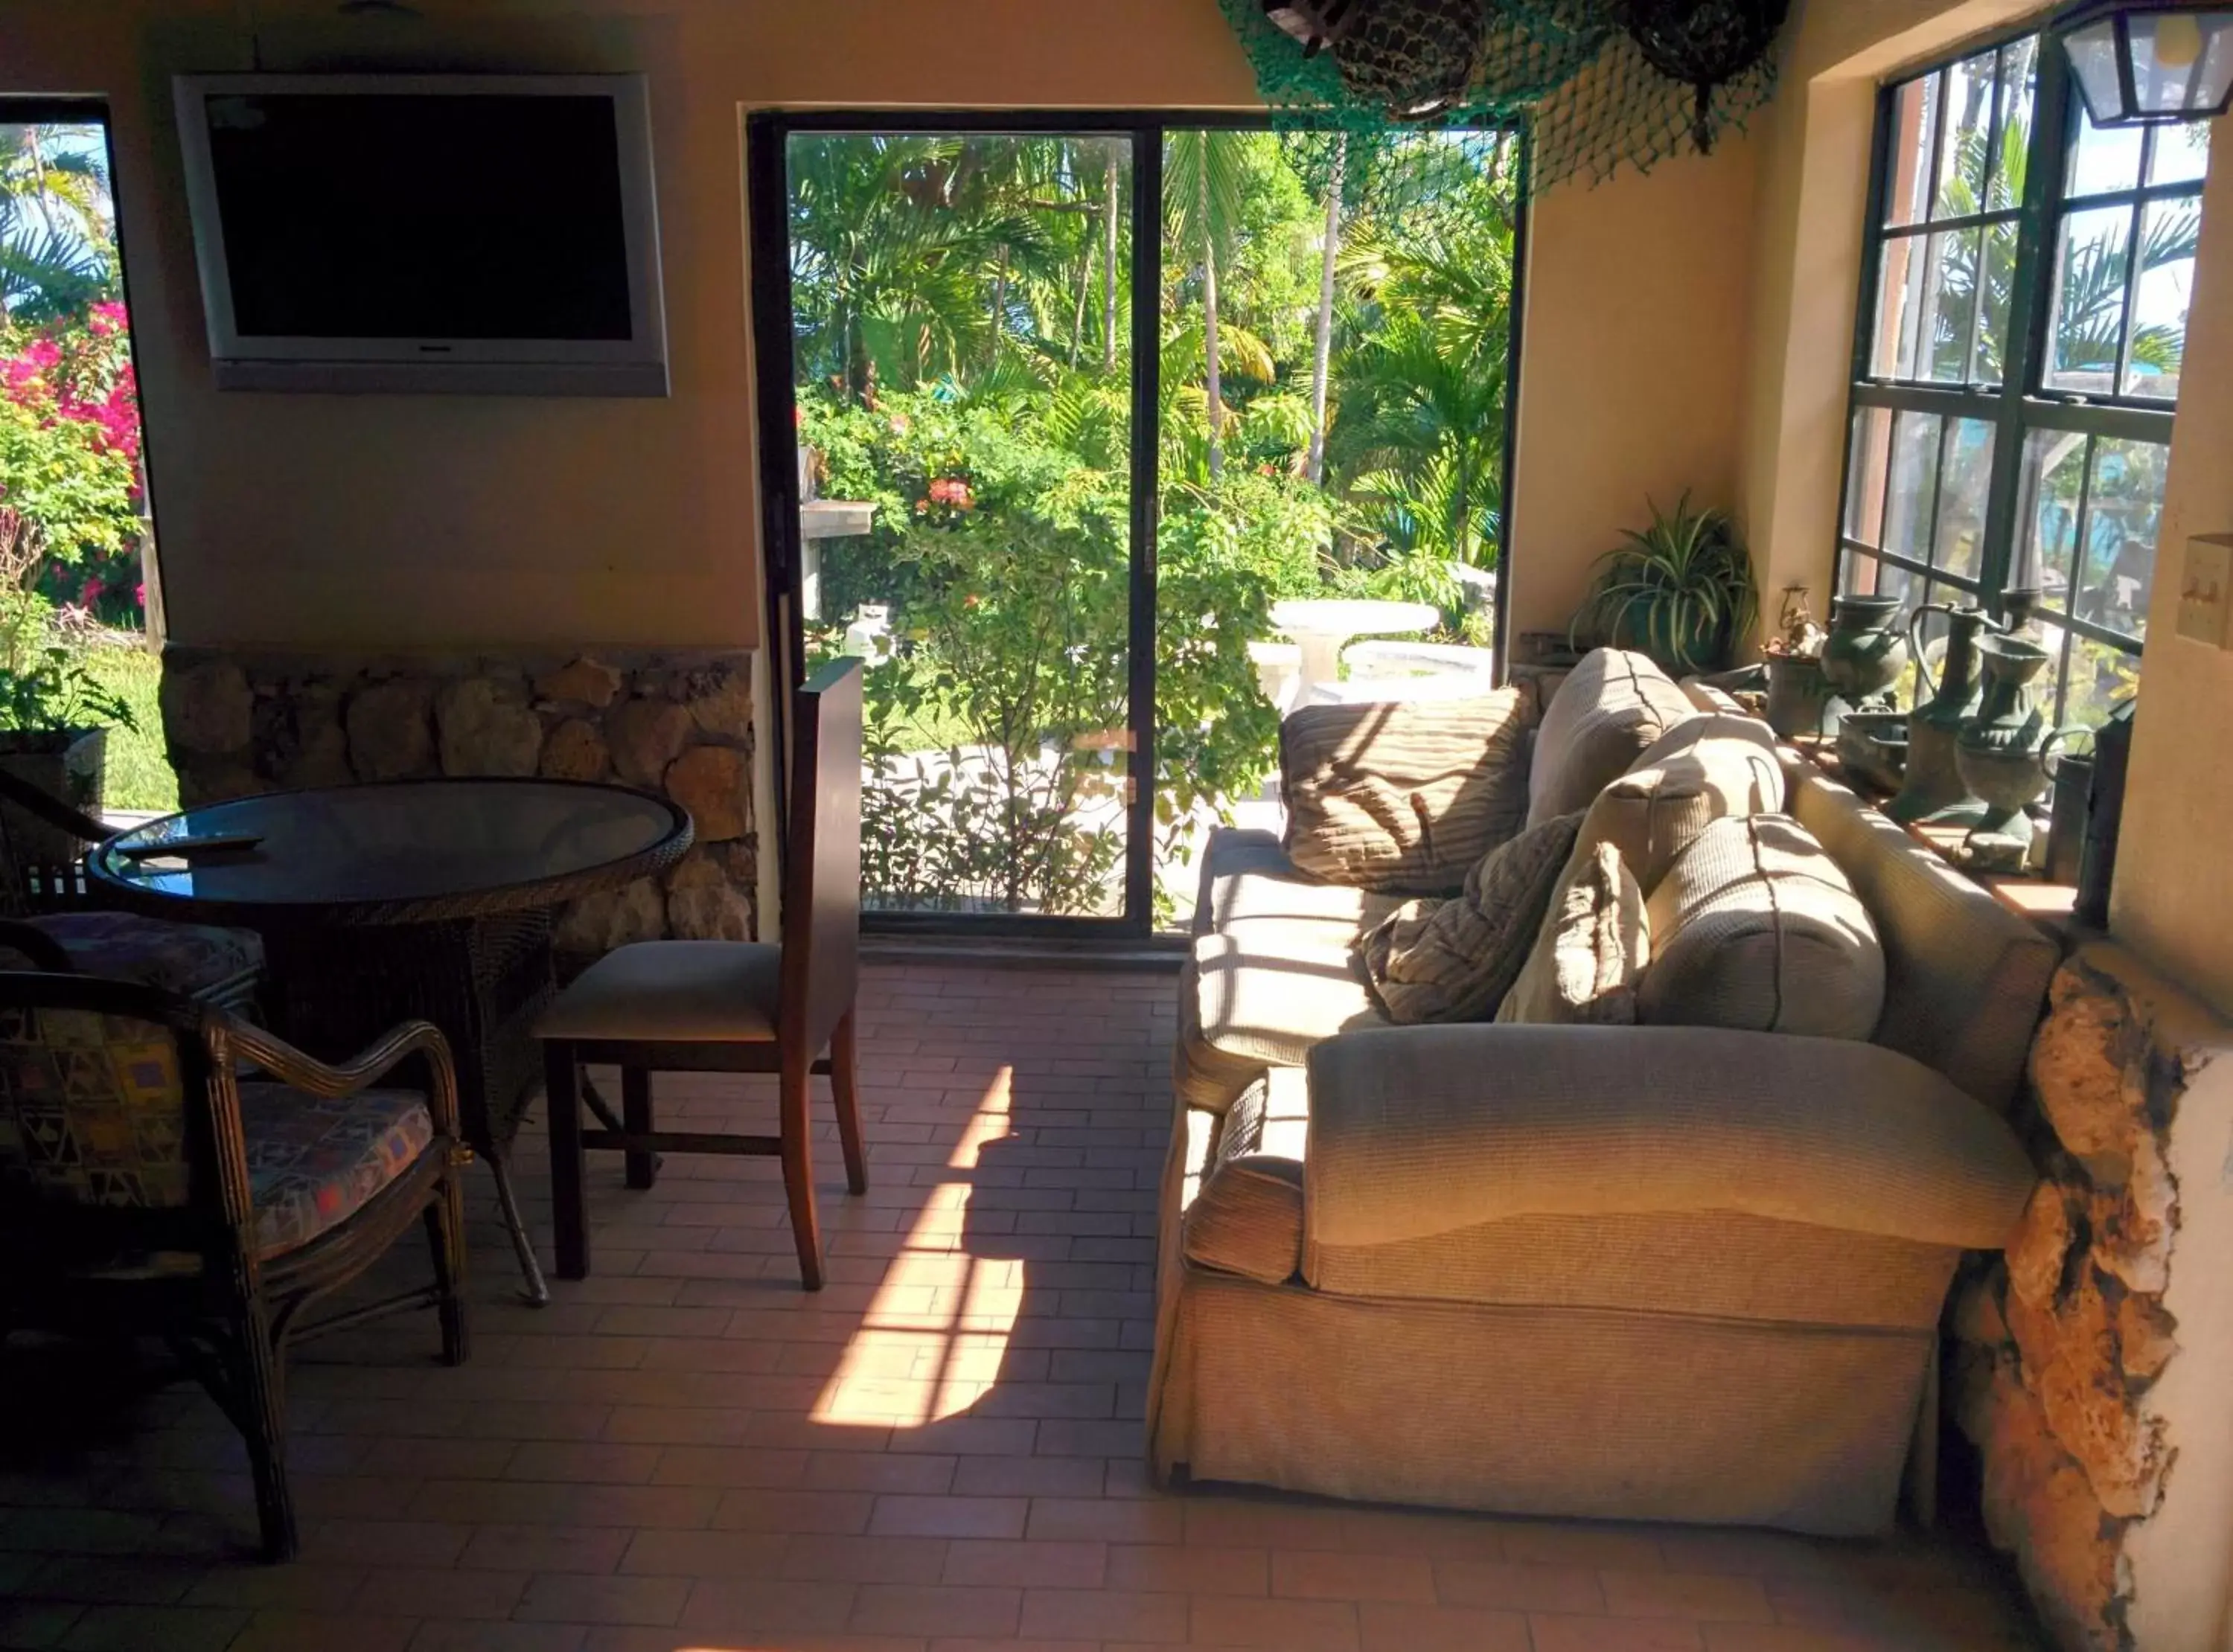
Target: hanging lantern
x=2142 y=63
x=1413 y=58
x=1703 y=43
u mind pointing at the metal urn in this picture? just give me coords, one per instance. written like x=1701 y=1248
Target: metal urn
x=2002 y=753
x=1796 y=694
x=1933 y=788
x=1867 y=647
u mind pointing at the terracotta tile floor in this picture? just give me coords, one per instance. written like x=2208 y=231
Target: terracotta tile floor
x=940 y=1451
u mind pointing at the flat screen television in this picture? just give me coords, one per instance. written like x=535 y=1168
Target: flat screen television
x=481 y=234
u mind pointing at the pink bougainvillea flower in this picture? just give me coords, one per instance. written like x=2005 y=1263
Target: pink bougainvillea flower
x=140 y=593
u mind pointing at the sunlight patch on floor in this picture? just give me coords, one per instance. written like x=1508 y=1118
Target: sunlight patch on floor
x=931 y=1343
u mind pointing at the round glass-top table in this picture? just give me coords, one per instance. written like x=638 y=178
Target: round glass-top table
x=406 y=900
x=397 y=852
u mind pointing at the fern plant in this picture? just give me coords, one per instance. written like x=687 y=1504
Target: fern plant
x=1681 y=591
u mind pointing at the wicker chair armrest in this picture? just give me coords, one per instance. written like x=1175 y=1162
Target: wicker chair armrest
x=52 y=810
x=282 y=1061
x=36 y=944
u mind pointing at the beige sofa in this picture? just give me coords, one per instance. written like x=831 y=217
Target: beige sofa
x=1648 y=1273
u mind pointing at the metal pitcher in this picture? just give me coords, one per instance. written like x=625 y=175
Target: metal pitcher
x=1933 y=788
x=1866 y=650
x=2001 y=754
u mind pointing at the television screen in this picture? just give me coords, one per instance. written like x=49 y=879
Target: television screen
x=479 y=234
x=472 y=217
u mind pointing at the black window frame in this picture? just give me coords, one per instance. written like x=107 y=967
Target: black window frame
x=767 y=135
x=2023 y=403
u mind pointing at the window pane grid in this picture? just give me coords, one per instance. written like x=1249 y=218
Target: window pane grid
x=2076 y=402
x=2118 y=335
x=1950 y=222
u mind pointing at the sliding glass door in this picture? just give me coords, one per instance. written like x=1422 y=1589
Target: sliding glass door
x=962 y=386
x=1056 y=413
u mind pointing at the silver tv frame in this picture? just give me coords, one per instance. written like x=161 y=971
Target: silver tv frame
x=633 y=367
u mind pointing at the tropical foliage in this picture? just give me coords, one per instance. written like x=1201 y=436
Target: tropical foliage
x=57 y=234
x=1330 y=420
x=72 y=516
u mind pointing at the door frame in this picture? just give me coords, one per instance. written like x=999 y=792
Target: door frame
x=767 y=135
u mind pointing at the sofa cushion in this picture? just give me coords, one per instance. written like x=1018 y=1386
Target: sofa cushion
x=1592 y=947
x=1404 y=798
x=1965 y=978
x=1247 y=1217
x=1606 y=715
x=1755 y=928
x=1259 y=1001
x=1455 y=960
x=1700 y=770
x=1273 y=1002
x=1249 y=886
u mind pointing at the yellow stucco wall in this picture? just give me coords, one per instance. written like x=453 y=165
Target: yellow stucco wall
x=2173 y=902
x=1632 y=369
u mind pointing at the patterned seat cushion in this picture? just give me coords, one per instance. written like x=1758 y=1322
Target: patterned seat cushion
x=187 y=958
x=313 y=1163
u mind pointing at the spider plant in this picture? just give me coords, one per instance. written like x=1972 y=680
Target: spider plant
x=1681 y=591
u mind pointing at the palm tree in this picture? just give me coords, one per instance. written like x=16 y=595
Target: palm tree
x=56 y=233
x=1322 y=358
x=915 y=257
x=2089 y=286
x=1422 y=387
x=1202 y=205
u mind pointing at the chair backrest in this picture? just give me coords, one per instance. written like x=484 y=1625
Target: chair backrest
x=109 y=1140
x=822 y=865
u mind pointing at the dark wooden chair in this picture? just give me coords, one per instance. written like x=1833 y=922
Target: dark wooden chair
x=733 y=1006
x=54 y=920
x=148 y=1187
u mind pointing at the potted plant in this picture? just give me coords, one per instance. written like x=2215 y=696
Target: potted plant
x=1680 y=590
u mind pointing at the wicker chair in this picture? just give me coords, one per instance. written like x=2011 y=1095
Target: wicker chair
x=48 y=915
x=146 y=1188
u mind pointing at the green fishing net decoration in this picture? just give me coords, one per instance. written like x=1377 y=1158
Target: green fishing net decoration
x=1596 y=84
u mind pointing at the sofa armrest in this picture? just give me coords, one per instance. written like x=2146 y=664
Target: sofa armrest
x=1425 y=1131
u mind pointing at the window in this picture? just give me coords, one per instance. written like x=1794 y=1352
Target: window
x=2017 y=364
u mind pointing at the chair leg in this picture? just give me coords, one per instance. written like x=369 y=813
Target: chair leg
x=635 y=1112
x=799 y=1165
x=446 y=1236
x=561 y=1079
x=844 y=1089
x=262 y=1397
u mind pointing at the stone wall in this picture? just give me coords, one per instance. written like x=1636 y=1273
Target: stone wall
x=676 y=724
x=2094 y=1469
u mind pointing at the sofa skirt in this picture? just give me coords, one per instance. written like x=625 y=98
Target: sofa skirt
x=1568 y=1412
